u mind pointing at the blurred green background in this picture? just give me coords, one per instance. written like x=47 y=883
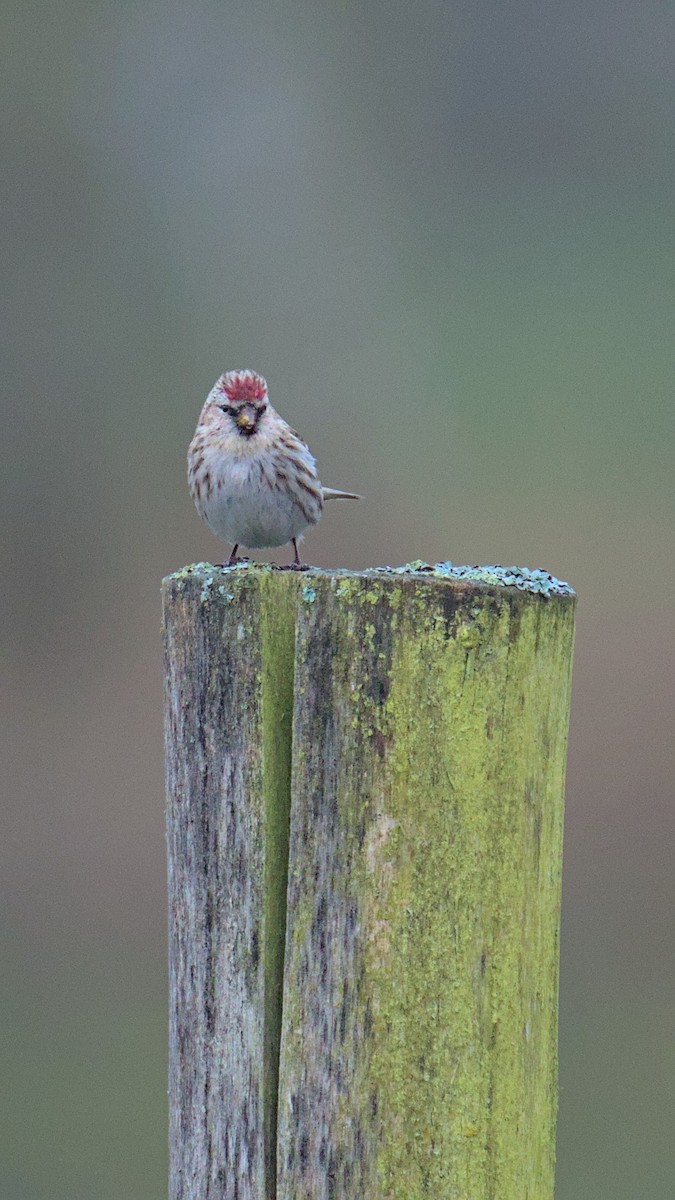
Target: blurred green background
x=444 y=232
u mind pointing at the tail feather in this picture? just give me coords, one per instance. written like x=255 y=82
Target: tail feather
x=334 y=494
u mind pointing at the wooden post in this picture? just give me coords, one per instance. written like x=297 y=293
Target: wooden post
x=229 y=643
x=425 y=789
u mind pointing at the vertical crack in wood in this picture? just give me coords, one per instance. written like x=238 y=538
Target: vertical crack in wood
x=278 y=654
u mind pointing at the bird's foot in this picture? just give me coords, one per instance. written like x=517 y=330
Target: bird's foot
x=239 y=561
x=296 y=565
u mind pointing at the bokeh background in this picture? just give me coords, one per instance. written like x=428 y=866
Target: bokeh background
x=444 y=232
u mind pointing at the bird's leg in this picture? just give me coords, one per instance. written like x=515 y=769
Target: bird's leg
x=233 y=560
x=296 y=565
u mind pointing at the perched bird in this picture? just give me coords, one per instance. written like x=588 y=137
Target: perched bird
x=252 y=478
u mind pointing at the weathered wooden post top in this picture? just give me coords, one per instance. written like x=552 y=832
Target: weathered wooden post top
x=365 y=778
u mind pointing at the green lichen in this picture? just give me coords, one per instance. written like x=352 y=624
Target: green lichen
x=526 y=580
x=213 y=571
x=206 y=589
x=449 y=707
x=465 y=1024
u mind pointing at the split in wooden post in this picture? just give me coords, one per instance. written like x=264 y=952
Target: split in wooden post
x=419 y=1013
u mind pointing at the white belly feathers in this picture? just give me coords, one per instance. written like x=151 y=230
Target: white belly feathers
x=242 y=508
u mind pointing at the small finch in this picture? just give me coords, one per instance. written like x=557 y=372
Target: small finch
x=252 y=478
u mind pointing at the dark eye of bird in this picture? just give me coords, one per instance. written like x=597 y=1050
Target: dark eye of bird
x=227 y=408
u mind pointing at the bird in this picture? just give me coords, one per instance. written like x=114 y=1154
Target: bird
x=252 y=478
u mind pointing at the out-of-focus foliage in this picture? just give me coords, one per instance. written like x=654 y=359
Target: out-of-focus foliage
x=444 y=233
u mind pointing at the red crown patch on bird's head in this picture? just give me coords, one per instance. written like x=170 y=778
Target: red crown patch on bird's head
x=243 y=385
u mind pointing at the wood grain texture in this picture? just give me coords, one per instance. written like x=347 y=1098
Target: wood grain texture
x=420 y=1003
x=229 y=669
x=411 y=727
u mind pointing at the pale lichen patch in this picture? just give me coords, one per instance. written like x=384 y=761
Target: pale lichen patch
x=523 y=578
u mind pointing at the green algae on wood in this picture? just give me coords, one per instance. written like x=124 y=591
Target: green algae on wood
x=420 y=998
x=229 y=639
x=423 y=769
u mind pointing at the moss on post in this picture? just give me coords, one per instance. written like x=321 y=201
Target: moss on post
x=420 y=1002
x=424 y=777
